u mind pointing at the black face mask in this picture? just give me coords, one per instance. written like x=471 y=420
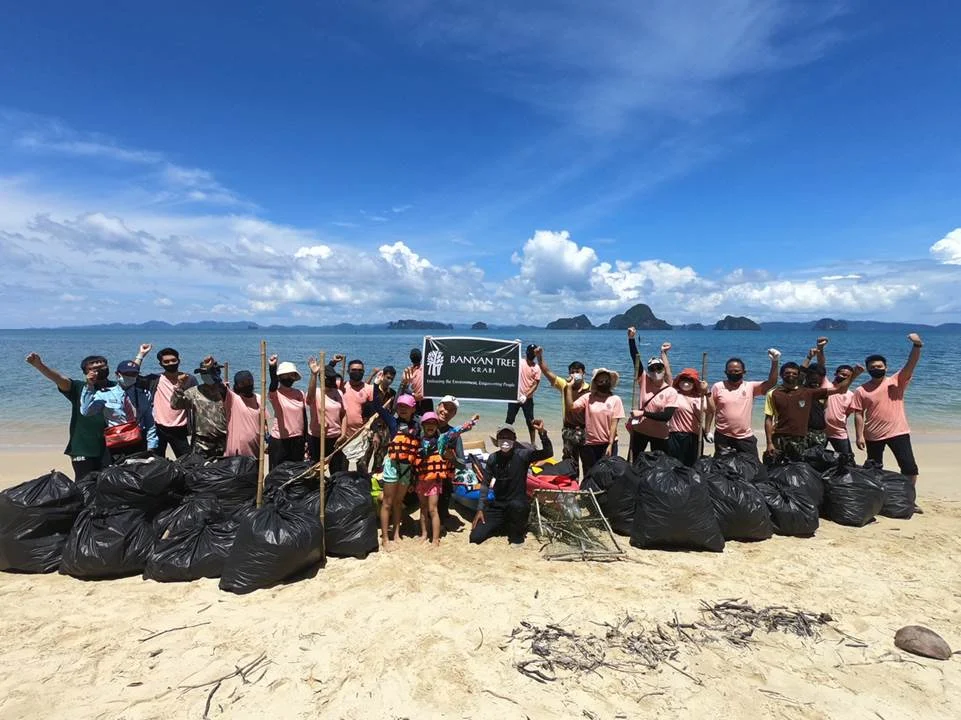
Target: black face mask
x=415 y=358
x=245 y=391
x=287 y=382
x=356 y=375
x=877 y=373
x=734 y=376
x=171 y=368
x=103 y=374
x=603 y=386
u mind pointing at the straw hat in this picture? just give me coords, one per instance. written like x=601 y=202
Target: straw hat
x=615 y=376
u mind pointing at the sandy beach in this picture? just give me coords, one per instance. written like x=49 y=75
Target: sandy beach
x=421 y=633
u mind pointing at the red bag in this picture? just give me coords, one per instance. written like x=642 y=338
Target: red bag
x=121 y=436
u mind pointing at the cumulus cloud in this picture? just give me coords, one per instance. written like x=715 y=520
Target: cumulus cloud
x=948 y=248
x=551 y=262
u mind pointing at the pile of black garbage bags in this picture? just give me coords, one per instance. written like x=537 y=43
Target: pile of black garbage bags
x=176 y=521
x=660 y=503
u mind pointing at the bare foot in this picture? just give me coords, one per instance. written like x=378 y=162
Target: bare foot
x=389 y=546
x=435 y=543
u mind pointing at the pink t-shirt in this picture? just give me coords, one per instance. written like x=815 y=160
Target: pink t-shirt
x=333 y=411
x=417 y=382
x=288 y=405
x=243 y=424
x=598 y=416
x=656 y=402
x=530 y=378
x=353 y=403
x=836 y=411
x=733 y=408
x=687 y=417
x=883 y=406
x=163 y=414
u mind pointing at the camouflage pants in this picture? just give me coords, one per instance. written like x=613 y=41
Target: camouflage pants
x=790 y=446
x=209 y=447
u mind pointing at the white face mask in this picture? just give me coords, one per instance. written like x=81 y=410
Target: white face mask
x=577 y=377
x=687 y=386
x=505 y=446
x=127 y=381
x=657 y=375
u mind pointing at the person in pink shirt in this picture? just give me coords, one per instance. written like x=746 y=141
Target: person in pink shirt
x=733 y=404
x=685 y=425
x=836 y=412
x=656 y=404
x=412 y=382
x=173 y=426
x=878 y=407
x=601 y=411
x=358 y=398
x=334 y=415
x=242 y=407
x=287 y=432
x=530 y=379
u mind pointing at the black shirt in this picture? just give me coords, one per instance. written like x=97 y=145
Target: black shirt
x=510 y=473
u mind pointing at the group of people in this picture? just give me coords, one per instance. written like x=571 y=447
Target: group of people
x=416 y=448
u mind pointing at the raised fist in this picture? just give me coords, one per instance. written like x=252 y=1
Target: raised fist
x=822 y=342
x=34 y=359
x=145 y=348
x=272 y=361
x=313 y=365
x=538 y=425
x=631 y=333
x=774 y=354
x=915 y=338
x=665 y=347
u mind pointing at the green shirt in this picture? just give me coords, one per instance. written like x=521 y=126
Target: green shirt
x=86 y=432
x=561 y=384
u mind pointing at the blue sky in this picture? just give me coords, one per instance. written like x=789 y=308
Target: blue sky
x=357 y=161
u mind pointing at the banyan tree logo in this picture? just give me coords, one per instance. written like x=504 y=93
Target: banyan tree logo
x=435 y=361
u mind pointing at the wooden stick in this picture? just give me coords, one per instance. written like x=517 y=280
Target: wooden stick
x=263 y=423
x=226 y=371
x=323 y=454
x=703 y=404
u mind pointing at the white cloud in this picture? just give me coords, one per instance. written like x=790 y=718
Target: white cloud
x=163 y=302
x=948 y=248
x=551 y=262
x=849 y=276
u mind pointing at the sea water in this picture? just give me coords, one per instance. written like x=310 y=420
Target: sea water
x=32 y=411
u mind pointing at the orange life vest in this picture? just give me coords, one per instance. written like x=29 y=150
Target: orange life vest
x=404 y=447
x=434 y=468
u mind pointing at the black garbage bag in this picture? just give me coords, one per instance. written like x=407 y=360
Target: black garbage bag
x=151 y=485
x=106 y=543
x=232 y=480
x=193 y=511
x=746 y=465
x=191 y=461
x=283 y=477
x=350 y=518
x=87 y=485
x=271 y=545
x=35 y=520
x=821 y=459
x=793 y=512
x=853 y=495
x=674 y=509
x=739 y=507
x=799 y=475
x=900 y=495
x=615 y=480
x=192 y=552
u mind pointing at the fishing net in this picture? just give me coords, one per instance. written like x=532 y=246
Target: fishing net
x=571 y=526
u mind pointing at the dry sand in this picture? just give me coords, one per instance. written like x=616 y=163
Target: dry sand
x=421 y=633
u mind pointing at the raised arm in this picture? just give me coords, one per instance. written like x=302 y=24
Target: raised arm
x=60 y=380
x=551 y=377
x=908 y=370
x=179 y=400
x=665 y=349
x=142 y=353
x=842 y=387
x=632 y=345
x=312 y=382
x=771 y=381
x=547 y=449
x=272 y=370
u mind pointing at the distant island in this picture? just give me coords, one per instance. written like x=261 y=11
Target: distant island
x=479 y=326
x=736 y=323
x=581 y=322
x=830 y=324
x=639 y=316
x=418 y=325
x=691 y=326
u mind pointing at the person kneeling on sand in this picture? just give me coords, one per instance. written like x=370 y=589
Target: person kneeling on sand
x=507 y=471
x=434 y=469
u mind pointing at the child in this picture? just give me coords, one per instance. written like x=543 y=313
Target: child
x=403 y=450
x=433 y=469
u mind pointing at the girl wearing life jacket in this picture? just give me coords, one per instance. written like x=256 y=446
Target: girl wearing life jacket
x=433 y=469
x=403 y=451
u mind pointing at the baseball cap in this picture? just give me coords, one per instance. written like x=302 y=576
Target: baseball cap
x=128 y=367
x=407 y=400
x=656 y=360
x=429 y=417
x=506 y=429
x=451 y=399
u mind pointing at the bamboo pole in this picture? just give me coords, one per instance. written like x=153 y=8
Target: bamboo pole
x=703 y=405
x=263 y=423
x=323 y=454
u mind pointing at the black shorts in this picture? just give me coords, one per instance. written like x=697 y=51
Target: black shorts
x=723 y=442
x=903 y=453
x=527 y=406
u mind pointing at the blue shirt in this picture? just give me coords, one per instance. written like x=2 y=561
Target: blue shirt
x=119 y=406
